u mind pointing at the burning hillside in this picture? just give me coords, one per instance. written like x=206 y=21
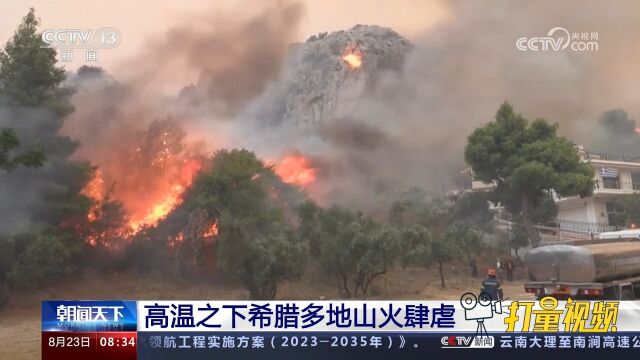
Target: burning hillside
x=147 y=171
x=296 y=170
x=323 y=84
x=148 y=176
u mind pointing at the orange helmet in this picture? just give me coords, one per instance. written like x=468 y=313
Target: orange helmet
x=491 y=272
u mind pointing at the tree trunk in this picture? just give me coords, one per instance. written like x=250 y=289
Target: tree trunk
x=514 y=239
x=531 y=231
x=441 y=274
x=369 y=280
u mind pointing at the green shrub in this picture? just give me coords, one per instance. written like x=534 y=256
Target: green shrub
x=43 y=257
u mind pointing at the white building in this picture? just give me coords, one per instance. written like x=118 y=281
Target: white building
x=615 y=176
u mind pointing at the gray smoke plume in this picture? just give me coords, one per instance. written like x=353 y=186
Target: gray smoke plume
x=235 y=60
x=452 y=81
x=399 y=121
x=615 y=134
x=21 y=190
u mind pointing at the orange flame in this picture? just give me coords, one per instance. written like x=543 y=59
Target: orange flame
x=212 y=231
x=168 y=200
x=208 y=234
x=296 y=170
x=353 y=58
x=159 y=209
x=146 y=172
x=95 y=190
x=150 y=206
x=176 y=240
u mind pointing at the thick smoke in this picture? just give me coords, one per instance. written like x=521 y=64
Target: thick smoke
x=235 y=60
x=615 y=134
x=232 y=59
x=461 y=71
x=454 y=80
x=22 y=190
x=405 y=129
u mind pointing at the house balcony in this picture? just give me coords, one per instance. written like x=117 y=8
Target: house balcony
x=615 y=187
x=616 y=158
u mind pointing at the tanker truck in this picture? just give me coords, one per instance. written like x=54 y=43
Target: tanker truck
x=607 y=267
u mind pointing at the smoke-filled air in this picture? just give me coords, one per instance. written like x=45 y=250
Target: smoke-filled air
x=238 y=154
x=355 y=116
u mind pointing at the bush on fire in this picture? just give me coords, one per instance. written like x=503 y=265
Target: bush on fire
x=256 y=243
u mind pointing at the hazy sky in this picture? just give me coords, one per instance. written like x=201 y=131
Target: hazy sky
x=142 y=20
x=464 y=65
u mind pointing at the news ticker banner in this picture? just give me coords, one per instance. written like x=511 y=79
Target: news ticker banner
x=314 y=329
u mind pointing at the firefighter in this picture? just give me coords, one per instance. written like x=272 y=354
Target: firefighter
x=491 y=286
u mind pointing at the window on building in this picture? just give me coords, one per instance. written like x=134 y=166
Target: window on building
x=610 y=178
x=611 y=183
x=615 y=214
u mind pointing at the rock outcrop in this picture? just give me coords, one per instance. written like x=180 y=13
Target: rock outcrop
x=325 y=80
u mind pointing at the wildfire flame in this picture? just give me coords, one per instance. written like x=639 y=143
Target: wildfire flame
x=147 y=207
x=353 y=58
x=159 y=209
x=95 y=190
x=146 y=173
x=161 y=203
x=208 y=233
x=154 y=211
x=148 y=177
x=176 y=240
x=168 y=199
x=296 y=170
x=212 y=231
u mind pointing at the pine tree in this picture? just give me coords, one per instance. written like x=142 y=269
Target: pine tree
x=38 y=207
x=28 y=72
x=8 y=142
x=528 y=161
x=34 y=102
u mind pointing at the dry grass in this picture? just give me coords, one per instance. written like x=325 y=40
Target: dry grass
x=20 y=320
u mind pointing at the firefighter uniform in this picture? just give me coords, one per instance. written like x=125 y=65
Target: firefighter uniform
x=491 y=286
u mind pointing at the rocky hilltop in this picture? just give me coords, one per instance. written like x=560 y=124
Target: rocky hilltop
x=333 y=70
